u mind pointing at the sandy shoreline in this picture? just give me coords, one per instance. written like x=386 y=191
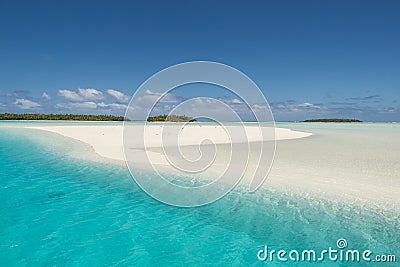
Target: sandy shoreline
x=107 y=141
x=331 y=167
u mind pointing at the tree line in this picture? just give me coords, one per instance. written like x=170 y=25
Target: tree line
x=171 y=118
x=68 y=117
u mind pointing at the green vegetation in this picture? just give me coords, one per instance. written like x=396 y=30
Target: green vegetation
x=171 y=118
x=332 y=120
x=67 y=117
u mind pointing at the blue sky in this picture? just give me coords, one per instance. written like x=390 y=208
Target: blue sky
x=311 y=59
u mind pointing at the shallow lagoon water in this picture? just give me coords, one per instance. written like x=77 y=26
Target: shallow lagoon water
x=60 y=210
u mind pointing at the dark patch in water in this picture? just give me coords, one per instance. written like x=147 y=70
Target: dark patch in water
x=57 y=195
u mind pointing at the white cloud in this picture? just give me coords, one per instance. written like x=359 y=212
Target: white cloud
x=70 y=95
x=45 y=96
x=389 y=110
x=236 y=101
x=90 y=94
x=259 y=106
x=2 y=105
x=211 y=107
x=26 y=104
x=308 y=105
x=18 y=94
x=153 y=97
x=149 y=92
x=201 y=106
x=119 y=96
x=77 y=105
x=305 y=107
x=112 y=105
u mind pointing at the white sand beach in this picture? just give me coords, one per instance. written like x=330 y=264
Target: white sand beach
x=107 y=141
x=331 y=166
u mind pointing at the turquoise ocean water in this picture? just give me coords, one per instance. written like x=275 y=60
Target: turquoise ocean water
x=60 y=210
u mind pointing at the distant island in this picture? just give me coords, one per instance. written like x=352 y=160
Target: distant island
x=63 y=117
x=171 y=118
x=332 y=120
